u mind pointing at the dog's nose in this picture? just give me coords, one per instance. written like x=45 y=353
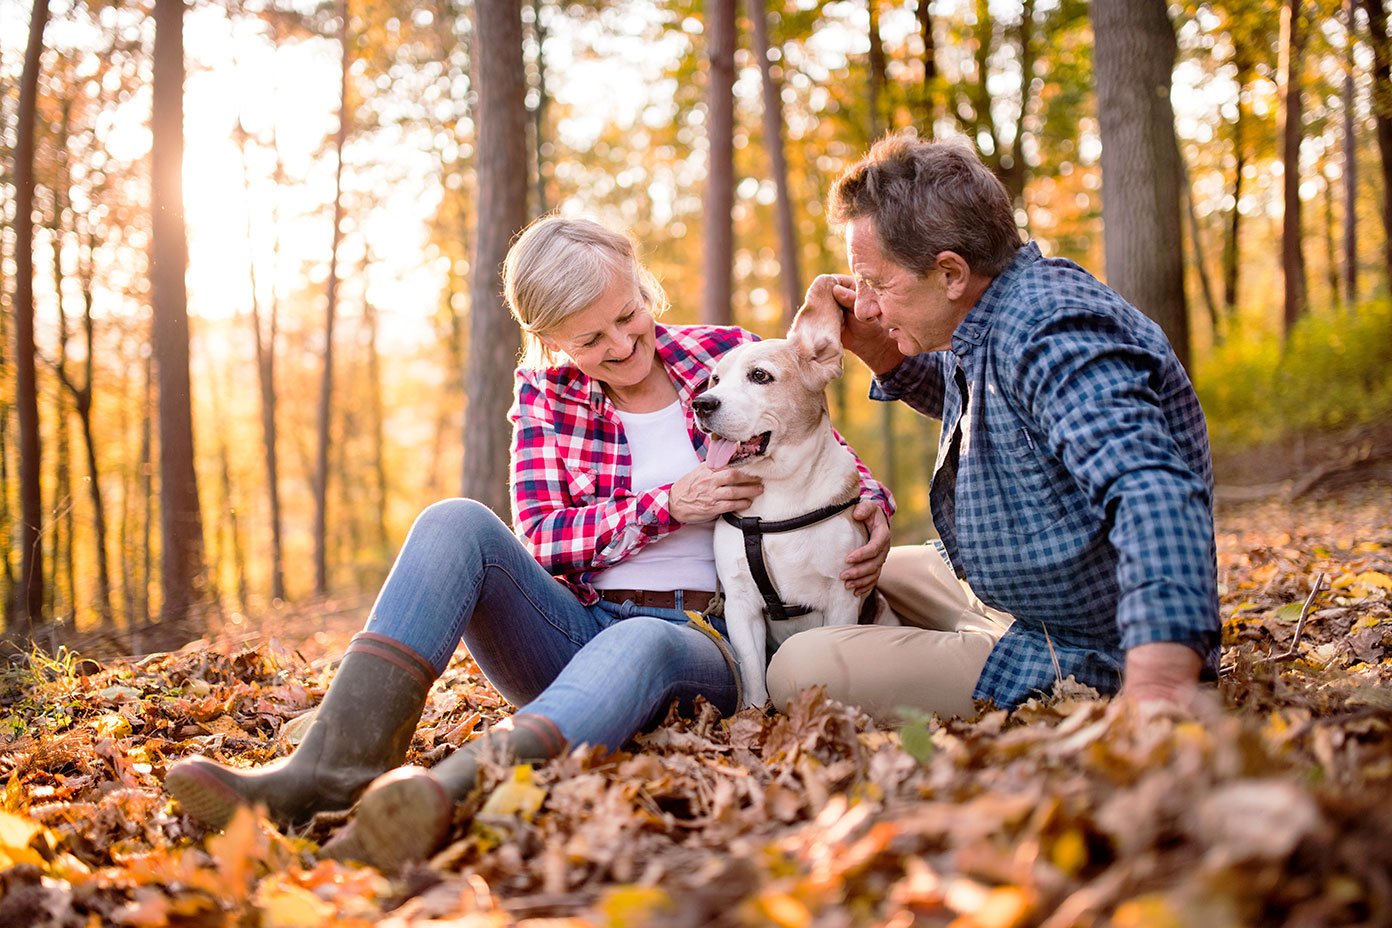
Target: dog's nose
x=705 y=404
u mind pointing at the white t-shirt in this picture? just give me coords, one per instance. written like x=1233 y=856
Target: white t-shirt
x=661 y=452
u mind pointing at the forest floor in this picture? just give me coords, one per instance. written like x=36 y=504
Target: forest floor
x=1265 y=804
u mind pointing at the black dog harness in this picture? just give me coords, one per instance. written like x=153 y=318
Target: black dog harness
x=754 y=530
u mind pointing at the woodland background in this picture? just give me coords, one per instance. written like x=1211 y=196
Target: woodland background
x=251 y=315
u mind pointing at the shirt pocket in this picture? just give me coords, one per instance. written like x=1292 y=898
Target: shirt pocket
x=1027 y=478
x=580 y=483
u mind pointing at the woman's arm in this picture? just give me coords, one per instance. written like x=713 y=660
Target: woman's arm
x=555 y=510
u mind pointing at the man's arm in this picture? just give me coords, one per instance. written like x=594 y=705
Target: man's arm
x=1093 y=385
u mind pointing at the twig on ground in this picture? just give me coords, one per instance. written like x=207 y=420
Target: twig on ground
x=1293 y=651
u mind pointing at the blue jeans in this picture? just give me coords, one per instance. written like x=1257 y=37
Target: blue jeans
x=601 y=673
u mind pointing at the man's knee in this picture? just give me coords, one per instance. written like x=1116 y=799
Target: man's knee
x=804 y=660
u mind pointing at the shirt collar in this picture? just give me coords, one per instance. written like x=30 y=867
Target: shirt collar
x=971 y=330
x=582 y=388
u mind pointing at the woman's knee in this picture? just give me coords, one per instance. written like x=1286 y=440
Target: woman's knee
x=457 y=515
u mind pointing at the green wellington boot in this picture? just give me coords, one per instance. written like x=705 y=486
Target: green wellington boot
x=363 y=727
x=406 y=814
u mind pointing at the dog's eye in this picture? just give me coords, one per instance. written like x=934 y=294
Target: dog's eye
x=712 y=382
x=759 y=375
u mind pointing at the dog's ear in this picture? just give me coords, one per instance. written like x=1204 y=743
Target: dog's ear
x=816 y=337
x=819 y=357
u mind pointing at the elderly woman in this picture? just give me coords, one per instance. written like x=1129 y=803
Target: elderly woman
x=581 y=619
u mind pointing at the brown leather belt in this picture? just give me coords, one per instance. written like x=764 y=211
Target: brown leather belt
x=693 y=600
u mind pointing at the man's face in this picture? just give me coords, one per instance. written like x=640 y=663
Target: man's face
x=914 y=311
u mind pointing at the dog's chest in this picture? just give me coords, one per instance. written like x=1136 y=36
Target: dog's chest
x=804 y=564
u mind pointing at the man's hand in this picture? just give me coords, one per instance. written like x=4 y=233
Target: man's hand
x=1162 y=672
x=866 y=561
x=865 y=340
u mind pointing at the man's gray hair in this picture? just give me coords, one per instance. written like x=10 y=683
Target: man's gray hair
x=929 y=197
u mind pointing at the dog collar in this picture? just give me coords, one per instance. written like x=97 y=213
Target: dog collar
x=754 y=529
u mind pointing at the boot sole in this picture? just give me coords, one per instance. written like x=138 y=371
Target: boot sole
x=202 y=795
x=403 y=817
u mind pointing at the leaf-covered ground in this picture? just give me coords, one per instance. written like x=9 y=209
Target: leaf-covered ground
x=1265 y=805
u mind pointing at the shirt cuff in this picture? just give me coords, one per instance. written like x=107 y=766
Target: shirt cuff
x=892 y=384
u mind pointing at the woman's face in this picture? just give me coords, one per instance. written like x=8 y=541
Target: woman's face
x=612 y=340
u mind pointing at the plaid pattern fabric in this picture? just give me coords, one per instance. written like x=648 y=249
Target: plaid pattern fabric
x=572 y=503
x=1083 y=487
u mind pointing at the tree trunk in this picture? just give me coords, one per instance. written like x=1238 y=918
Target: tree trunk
x=377 y=424
x=1141 y=169
x=1381 y=41
x=539 y=111
x=1292 y=133
x=1350 y=168
x=1200 y=258
x=493 y=337
x=1232 y=241
x=716 y=306
x=321 y=466
x=1331 y=247
x=29 y=604
x=778 y=165
x=932 y=107
x=181 y=527
x=264 y=333
x=889 y=469
x=82 y=401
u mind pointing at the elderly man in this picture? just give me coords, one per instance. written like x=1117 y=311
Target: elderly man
x=1073 y=488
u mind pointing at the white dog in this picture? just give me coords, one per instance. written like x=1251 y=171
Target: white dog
x=780 y=560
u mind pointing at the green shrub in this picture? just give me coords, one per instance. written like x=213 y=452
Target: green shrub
x=1335 y=372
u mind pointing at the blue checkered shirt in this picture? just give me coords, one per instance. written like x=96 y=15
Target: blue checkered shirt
x=1082 y=498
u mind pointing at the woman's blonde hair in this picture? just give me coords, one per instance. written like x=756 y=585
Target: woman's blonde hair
x=557 y=267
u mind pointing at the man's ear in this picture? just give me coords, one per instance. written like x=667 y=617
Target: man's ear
x=956 y=273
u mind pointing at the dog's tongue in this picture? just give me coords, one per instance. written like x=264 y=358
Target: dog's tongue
x=720 y=452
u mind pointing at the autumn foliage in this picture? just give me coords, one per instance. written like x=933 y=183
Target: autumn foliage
x=1263 y=804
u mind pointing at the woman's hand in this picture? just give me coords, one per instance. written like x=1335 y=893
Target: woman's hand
x=867 y=560
x=704 y=494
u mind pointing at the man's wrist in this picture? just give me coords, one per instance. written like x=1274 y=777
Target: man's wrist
x=1161 y=671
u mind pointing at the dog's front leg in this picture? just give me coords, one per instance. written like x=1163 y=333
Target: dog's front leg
x=744 y=618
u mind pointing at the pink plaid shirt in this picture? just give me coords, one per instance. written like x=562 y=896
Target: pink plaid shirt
x=572 y=502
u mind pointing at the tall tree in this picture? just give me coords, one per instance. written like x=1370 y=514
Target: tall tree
x=1141 y=169
x=1380 y=39
x=1292 y=133
x=778 y=165
x=719 y=245
x=1350 y=178
x=30 y=595
x=321 y=465
x=502 y=211
x=931 y=104
x=182 y=576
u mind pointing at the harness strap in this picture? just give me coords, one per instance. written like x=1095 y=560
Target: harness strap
x=754 y=529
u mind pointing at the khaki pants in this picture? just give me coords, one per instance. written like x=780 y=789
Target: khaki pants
x=931 y=662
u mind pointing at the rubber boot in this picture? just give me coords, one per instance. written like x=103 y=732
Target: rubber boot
x=406 y=814
x=363 y=728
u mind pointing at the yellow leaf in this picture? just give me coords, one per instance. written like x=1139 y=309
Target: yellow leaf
x=1265 y=572
x=1003 y=907
x=236 y=852
x=1347 y=580
x=1368 y=621
x=517 y=796
x=285 y=905
x=1069 y=853
x=16 y=835
x=1367 y=547
x=112 y=725
x=1374 y=578
x=782 y=910
x=632 y=906
x=1150 y=911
